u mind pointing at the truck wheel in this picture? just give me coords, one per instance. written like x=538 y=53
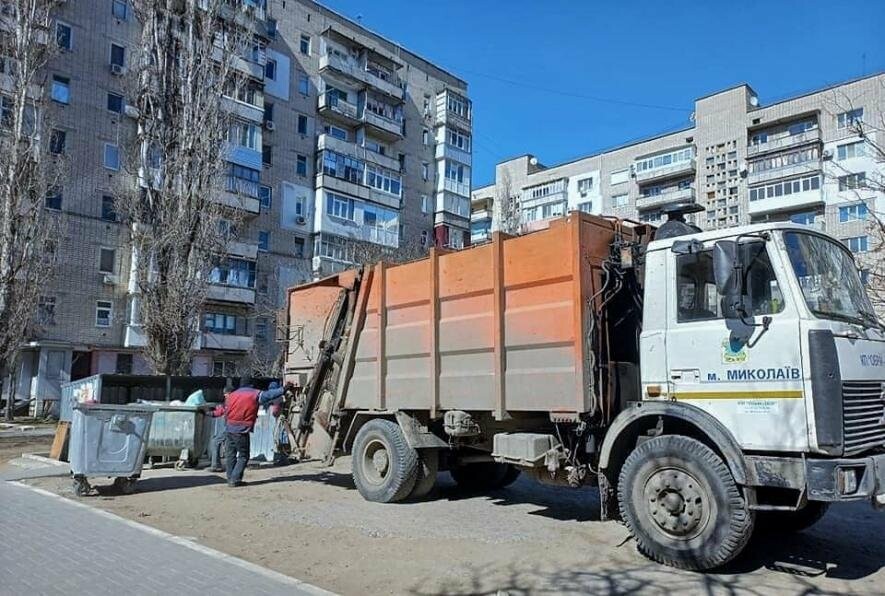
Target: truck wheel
x=682 y=505
x=789 y=522
x=384 y=466
x=484 y=476
x=428 y=467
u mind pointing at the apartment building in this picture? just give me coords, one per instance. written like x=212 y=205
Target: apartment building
x=798 y=159
x=341 y=138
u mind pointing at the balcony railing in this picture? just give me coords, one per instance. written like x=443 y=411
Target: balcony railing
x=220 y=341
x=668 y=171
x=333 y=105
x=335 y=144
x=236 y=294
x=665 y=198
x=446 y=151
x=389 y=127
x=784 y=142
x=246 y=188
x=459 y=188
x=798 y=169
x=356 y=69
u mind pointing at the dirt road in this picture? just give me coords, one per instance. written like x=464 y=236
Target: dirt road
x=312 y=524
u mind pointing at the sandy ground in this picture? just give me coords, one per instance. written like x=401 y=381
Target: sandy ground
x=311 y=523
x=11 y=448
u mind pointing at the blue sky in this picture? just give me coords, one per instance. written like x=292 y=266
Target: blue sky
x=561 y=79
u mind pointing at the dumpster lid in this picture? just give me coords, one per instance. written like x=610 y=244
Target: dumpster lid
x=87 y=405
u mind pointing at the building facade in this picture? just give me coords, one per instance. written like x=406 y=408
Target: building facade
x=341 y=138
x=799 y=159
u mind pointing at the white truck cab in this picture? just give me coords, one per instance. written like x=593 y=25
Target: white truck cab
x=768 y=329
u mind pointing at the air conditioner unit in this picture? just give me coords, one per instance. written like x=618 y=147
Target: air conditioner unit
x=118 y=70
x=269 y=125
x=827 y=154
x=109 y=279
x=300 y=220
x=131 y=111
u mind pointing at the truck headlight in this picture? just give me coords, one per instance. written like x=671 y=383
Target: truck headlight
x=846 y=480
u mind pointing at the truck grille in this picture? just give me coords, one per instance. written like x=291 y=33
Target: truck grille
x=863 y=410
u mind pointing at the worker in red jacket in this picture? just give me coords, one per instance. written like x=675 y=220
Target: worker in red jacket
x=241 y=411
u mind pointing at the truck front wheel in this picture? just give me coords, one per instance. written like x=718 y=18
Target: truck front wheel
x=682 y=505
x=384 y=466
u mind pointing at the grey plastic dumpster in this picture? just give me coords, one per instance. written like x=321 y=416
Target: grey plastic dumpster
x=108 y=440
x=178 y=431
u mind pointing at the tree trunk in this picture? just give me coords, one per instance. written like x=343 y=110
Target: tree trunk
x=168 y=387
x=10 y=395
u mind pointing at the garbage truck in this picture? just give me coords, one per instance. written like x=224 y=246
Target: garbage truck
x=707 y=382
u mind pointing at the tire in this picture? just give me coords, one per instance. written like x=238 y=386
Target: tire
x=790 y=522
x=682 y=504
x=484 y=476
x=81 y=487
x=384 y=467
x=428 y=468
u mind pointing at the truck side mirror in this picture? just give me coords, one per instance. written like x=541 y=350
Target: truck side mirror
x=727 y=270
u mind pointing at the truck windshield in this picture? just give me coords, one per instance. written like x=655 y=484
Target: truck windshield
x=829 y=279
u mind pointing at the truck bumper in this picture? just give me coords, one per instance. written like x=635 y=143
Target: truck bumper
x=854 y=479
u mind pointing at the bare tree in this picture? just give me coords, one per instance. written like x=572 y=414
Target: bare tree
x=28 y=173
x=509 y=218
x=865 y=186
x=189 y=59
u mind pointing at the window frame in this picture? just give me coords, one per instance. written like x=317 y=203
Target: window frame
x=102 y=252
x=70 y=36
x=104 y=305
x=62 y=84
x=104 y=157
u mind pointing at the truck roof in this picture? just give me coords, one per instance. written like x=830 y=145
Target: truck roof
x=733 y=232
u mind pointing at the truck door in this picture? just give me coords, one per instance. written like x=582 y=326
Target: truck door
x=748 y=379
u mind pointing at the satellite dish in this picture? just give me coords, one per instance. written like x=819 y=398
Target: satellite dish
x=754 y=101
x=534 y=161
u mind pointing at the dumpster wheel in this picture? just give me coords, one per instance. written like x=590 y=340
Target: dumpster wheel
x=125 y=485
x=81 y=486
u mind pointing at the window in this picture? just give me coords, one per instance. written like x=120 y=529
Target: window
x=238 y=273
x=46 y=310
x=224 y=324
x=53 y=198
x=303 y=84
x=261 y=328
x=425 y=137
x=458 y=105
x=384 y=180
x=852 y=181
x=586 y=207
x=338 y=206
x=620 y=200
x=779 y=189
x=115 y=103
x=849 y=150
x=336 y=132
x=302 y=124
x=853 y=212
x=111 y=156
x=107 y=258
x=342 y=166
x=857 y=243
x=697 y=298
x=123 y=364
x=6 y=112
x=784 y=160
x=120 y=9
x=267 y=155
x=242 y=180
x=620 y=176
x=108 y=212
x=265 y=196
x=666 y=159
x=299 y=247
x=454 y=171
x=245 y=134
x=118 y=55
x=268 y=112
x=64 y=36
x=224 y=368
x=458 y=139
x=270 y=69
x=304 y=45
x=425 y=170
x=61 y=89
x=57 y=141
x=806 y=218
x=104 y=311
x=425 y=204
x=585 y=185
x=301 y=165
x=849 y=118
x=263 y=240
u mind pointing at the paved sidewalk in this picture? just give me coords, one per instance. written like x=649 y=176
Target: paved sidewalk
x=50 y=545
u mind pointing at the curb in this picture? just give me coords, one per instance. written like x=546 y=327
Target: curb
x=43 y=459
x=243 y=564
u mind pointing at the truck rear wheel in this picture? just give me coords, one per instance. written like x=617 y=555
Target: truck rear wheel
x=484 y=475
x=428 y=467
x=682 y=505
x=384 y=466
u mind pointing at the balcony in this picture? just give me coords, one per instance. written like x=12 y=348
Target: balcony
x=133 y=337
x=797 y=200
x=249 y=112
x=352 y=149
x=447 y=116
x=230 y=343
x=386 y=128
x=798 y=169
x=240 y=194
x=355 y=69
x=787 y=141
x=335 y=108
x=446 y=151
x=249 y=14
x=458 y=188
x=666 y=198
x=245 y=250
x=357 y=191
x=681 y=168
x=221 y=293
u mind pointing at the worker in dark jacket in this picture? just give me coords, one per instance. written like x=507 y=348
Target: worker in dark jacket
x=241 y=411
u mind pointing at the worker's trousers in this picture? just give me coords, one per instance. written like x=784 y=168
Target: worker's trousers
x=237 y=456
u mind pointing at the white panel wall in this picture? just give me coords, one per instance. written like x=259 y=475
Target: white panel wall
x=280 y=86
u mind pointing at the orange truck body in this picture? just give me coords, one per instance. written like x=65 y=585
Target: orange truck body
x=501 y=327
